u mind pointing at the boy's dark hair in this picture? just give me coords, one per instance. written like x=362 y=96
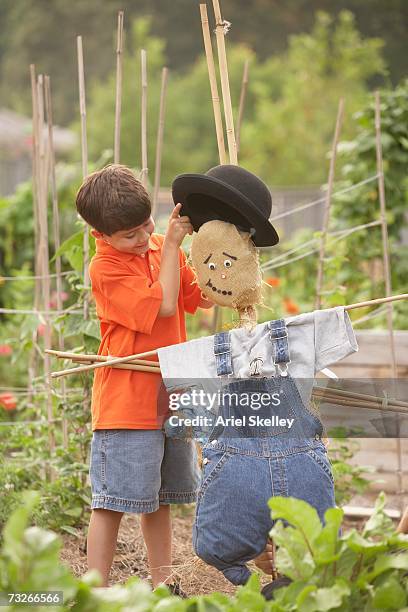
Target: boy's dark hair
x=112 y=199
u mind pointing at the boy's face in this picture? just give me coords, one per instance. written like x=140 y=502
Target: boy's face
x=134 y=240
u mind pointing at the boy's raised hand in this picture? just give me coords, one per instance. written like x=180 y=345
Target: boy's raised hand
x=178 y=227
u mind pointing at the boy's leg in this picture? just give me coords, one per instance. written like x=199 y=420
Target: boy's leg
x=156 y=529
x=101 y=543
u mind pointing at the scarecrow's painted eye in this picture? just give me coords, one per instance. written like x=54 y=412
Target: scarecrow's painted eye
x=227 y=263
x=212 y=265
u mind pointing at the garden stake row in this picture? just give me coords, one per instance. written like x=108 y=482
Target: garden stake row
x=327 y=207
x=159 y=141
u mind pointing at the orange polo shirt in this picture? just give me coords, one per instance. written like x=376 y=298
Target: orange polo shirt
x=128 y=296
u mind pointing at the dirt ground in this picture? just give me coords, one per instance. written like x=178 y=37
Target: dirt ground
x=194 y=575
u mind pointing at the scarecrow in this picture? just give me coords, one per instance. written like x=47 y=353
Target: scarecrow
x=229 y=209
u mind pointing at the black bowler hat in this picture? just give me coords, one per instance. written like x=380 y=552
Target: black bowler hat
x=227 y=193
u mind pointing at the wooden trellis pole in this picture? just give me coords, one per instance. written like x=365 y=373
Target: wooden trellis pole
x=242 y=97
x=213 y=84
x=118 y=104
x=221 y=28
x=41 y=182
x=33 y=361
x=387 y=279
x=84 y=163
x=56 y=236
x=159 y=141
x=327 y=206
x=143 y=73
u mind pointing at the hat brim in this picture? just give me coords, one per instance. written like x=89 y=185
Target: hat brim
x=205 y=198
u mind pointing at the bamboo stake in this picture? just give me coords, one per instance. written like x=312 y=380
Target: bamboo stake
x=384 y=229
x=362 y=396
x=213 y=84
x=387 y=278
x=392 y=298
x=32 y=366
x=242 y=97
x=143 y=71
x=341 y=401
x=118 y=105
x=103 y=364
x=56 y=236
x=220 y=30
x=90 y=358
x=372 y=404
x=126 y=366
x=159 y=142
x=84 y=160
x=42 y=183
x=327 y=207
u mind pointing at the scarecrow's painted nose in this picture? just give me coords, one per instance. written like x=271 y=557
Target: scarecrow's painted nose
x=223 y=276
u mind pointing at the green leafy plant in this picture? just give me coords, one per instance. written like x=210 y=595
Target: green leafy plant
x=349 y=572
x=352 y=572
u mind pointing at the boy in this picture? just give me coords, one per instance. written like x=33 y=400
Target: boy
x=142 y=285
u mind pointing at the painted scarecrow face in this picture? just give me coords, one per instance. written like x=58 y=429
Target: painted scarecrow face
x=227 y=266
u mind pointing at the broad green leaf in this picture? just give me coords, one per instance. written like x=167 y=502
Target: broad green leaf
x=364 y=546
x=320 y=600
x=387 y=562
x=299 y=514
x=389 y=595
x=293 y=558
x=379 y=523
x=326 y=546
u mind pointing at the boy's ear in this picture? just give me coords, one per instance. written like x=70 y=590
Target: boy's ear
x=96 y=234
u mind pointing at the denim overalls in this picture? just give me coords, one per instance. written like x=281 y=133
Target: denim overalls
x=243 y=467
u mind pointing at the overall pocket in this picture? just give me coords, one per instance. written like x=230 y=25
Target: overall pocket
x=320 y=458
x=213 y=462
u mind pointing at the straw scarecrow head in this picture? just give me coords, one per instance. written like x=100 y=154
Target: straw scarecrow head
x=229 y=209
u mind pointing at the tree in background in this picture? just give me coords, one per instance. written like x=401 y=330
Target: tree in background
x=43 y=32
x=290 y=113
x=297 y=95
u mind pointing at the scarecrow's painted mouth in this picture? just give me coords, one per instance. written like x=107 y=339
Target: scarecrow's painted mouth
x=209 y=284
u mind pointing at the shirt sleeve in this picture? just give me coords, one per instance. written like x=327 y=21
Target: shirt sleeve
x=334 y=337
x=191 y=290
x=129 y=300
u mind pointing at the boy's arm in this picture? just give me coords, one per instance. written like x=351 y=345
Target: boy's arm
x=169 y=275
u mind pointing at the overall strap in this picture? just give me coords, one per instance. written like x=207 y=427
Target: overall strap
x=222 y=353
x=278 y=334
